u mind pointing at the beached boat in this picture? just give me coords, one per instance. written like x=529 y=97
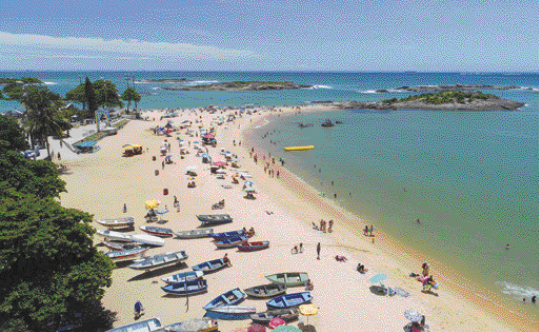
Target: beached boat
x=289 y=279
x=157 y=231
x=115 y=235
x=290 y=300
x=116 y=222
x=186 y=288
x=327 y=123
x=119 y=246
x=299 y=148
x=126 y=254
x=147 y=239
x=210 y=266
x=231 y=297
x=230 y=242
x=193 y=325
x=265 y=317
x=226 y=235
x=234 y=310
x=214 y=218
x=197 y=233
x=148 y=325
x=265 y=290
x=253 y=246
x=183 y=277
x=159 y=260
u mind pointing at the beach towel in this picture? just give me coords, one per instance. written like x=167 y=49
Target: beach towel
x=401 y=292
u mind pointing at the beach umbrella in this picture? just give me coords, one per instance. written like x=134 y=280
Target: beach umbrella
x=205 y=155
x=308 y=310
x=152 y=204
x=256 y=328
x=164 y=211
x=168 y=157
x=378 y=278
x=126 y=145
x=413 y=315
x=190 y=168
x=248 y=183
x=249 y=189
x=276 y=322
x=286 y=328
x=220 y=171
x=219 y=163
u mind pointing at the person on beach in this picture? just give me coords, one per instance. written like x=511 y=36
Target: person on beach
x=309 y=285
x=330 y=228
x=59 y=156
x=371 y=230
x=125 y=208
x=301 y=248
x=139 y=309
x=227 y=260
x=361 y=268
x=318 y=250
x=294 y=250
x=366 y=230
x=418 y=221
x=425 y=269
x=534 y=298
x=163 y=165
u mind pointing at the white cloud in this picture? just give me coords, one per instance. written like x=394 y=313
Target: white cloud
x=125 y=47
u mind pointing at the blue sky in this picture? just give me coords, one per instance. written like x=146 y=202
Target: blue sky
x=353 y=35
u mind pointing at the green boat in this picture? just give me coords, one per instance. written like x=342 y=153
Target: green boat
x=289 y=278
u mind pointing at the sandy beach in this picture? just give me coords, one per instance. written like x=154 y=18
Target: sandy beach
x=101 y=183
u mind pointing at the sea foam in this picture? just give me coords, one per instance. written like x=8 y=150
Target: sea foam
x=517 y=291
x=320 y=86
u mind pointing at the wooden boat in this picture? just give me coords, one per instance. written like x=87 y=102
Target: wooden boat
x=289 y=278
x=215 y=315
x=193 y=325
x=234 y=310
x=298 y=148
x=231 y=297
x=265 y=290
x=214 y=218
x=327 y=123
x=285 y=314
x=226 y=235
x=159 y=260
x=147 y=239
x=116 y=222
x=230 y=242
x=290 y=300
x=197 y=233
x=253 y=246
x=183 y=277
x=157 y=231
x=186 y=288
x=118 y=246
x=210 y=266
x=114 y=235
x=126 y=254
x=148 y=325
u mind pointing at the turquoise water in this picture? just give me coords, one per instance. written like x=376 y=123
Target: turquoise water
x=471 y=177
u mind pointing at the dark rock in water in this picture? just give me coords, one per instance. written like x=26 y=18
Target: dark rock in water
x=241 y=86
x=338 y=122
x=456 y=87
x=165 y=80
x=321 y=102
x=381 y=91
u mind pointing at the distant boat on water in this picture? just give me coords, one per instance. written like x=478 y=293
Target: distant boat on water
x=327 y=123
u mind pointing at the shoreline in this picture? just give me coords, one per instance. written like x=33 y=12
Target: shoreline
x=488 y=301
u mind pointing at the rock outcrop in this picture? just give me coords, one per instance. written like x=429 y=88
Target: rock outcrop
x=240 y=86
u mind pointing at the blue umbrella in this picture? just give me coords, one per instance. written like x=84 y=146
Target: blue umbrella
x=186 y=121
x=168 y=157
x=205 y=155
x=378 y=278
x=162 y=211
x=248 y=183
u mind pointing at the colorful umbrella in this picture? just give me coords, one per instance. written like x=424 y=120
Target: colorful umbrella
x=219 y=163
x=256 y=328
x=152 y=204
x=248 y=183
x=308 y=310
x=276 y=322
x=286 y=328
x=413 y=316
x=168 y=157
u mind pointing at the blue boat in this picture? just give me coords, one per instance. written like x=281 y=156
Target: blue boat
x=231 y=242
x=183 y=277
x=289 y=300
x=231 y=297
x=214 y=218
x=226 y=235
x=186 y=288
x=210 y=266
x=147 y=325
x=210 y=314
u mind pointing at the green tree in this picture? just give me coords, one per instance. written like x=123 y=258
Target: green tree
x=130 y=95
x=107 y=94
x=77 y=95
x=91 y=98
x=11 y=136
x=13 y=91
x=1 y=95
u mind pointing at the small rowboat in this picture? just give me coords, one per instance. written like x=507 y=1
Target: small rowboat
x=159 y=260
x=230 y=242
x=197 y=233
x=183 y=277
x=285 y=314
x=289 y=278
x=253 y=246
x=116 y=222
x=114 y=235
x=210 y=266
x=226 y=235
x=118 y=246
x=147 y=325
x=157 y=231
x=231 y=297
x=147 y=239
x=214 y=218
x=265 y=290
x=126 y=254
x=193 y=325
x=234 y=310
x=186 y=288
x=289 y=300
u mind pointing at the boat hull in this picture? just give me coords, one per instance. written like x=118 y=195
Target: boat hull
x=232 y=297
x=289 y=300
x=183 y=277
x=254 y=246
x=186 y=288
x=285 y=314
x=265 y=291
x=290 y=279
x=210 y=266
x=158 y=261
x=195 y=234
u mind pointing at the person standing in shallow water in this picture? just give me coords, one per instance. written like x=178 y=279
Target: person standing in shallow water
x=318 y=250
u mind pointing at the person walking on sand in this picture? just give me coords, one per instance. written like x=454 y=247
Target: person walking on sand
x=371 y=230
x=139 y=309
x=125 y=208
x=330 y=228
x=318 y=250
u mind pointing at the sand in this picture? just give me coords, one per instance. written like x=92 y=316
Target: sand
x=101 y=183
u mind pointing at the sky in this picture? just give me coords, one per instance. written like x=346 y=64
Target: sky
x=272 y=35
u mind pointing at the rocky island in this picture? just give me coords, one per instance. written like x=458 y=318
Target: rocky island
x=442 y=101
x=456 y=87
x=22 y=80
x=240 y=86
x=165 y=80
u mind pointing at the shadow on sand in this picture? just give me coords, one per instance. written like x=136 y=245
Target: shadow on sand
x=159 y=272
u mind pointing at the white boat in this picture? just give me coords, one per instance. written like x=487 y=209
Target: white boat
x=147 y=239
x=197 y=233
x=148 y=325
x=129 y=254
x=116 y=222
x=183 y=277
x=159 y=260
x=234 y=310
x=193 y=325
x=114 y=235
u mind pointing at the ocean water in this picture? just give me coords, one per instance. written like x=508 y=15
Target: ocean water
x=472 y=178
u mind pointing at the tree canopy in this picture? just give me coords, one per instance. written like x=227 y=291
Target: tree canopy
x=91 y=98
x=77 y=95
x=107 y=94
x=130 y=95
x=11 y=136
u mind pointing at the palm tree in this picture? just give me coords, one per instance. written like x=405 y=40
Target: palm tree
x=43 y=116
x=130 y=95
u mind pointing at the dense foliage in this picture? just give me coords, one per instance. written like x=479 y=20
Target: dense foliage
x=22 y=80
x=49 y=266
x=130 y=95
x=107 y=94
x=445 y=97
